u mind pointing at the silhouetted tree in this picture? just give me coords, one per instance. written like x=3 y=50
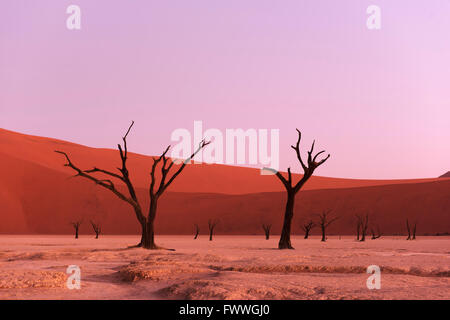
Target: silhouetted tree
x=146 y=221
x=324 y=222
x=266 y=228
x=409 y=230
x=307 y=228
x=308 y=169
x=197 y=231
x=364 y=225
x=212 y=225
x=97 y=228
x=377 y=234
x=76 y=226
x=358 y=227
x=414 y=228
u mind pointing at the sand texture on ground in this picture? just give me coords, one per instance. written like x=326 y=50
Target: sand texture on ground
x=229 y=267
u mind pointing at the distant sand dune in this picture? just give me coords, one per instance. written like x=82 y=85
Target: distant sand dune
x=39 y=195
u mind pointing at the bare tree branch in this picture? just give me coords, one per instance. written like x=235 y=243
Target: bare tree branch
x=104 y=183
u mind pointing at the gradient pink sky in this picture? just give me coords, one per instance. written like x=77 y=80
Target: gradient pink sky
x=378 y=101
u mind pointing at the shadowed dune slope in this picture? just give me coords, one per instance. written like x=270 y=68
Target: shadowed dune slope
x=445 y=175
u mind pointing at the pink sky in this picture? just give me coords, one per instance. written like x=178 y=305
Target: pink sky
x=378 y=101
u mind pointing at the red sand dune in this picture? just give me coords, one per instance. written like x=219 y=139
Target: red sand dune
x=38 y=195
x=195 y=178
x=445 y=175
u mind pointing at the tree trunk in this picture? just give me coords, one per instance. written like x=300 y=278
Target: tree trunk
x=324 y=238
x=148 y=233
x=148 y=236
x=306 y=234
x=76 y=233
x=363 y=237
x=285 y=239
x=96 y=236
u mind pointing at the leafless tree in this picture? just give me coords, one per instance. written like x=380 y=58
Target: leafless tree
x=414 y=228
x=308 y=169
x=377 y=234
x=307 y=228
x=97 y=228
x=76 y=226
x=197 y=231
x=363 y=222
x=212 y=225
x=409 y=230
x=266 y=228
x=358 y=227
x=146 y=221
x=324 y=222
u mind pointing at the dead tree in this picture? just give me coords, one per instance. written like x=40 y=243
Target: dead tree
x=413 y=237
x=212 y=225
x=146 y=221
x=76 y=226
x=409 y=230
x=363 y=222
x=358 y=227
x=97 y=228
x=324 y=222
x=197 y=231
x=307 y=228
x=308 y=170
x=266 y=228
x=377 y=234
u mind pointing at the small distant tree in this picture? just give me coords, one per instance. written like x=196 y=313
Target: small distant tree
x=212 y=225
x=414 y=228
x=97 y=228
x=377 y=234
x=408 y=229
x=324 y=222
x=266 y=228
x=76 y=226
x=307 y=228
x=197 y=231
x=358 y=227
x=363 y=221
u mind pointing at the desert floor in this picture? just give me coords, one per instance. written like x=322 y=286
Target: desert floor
x=229 y=267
